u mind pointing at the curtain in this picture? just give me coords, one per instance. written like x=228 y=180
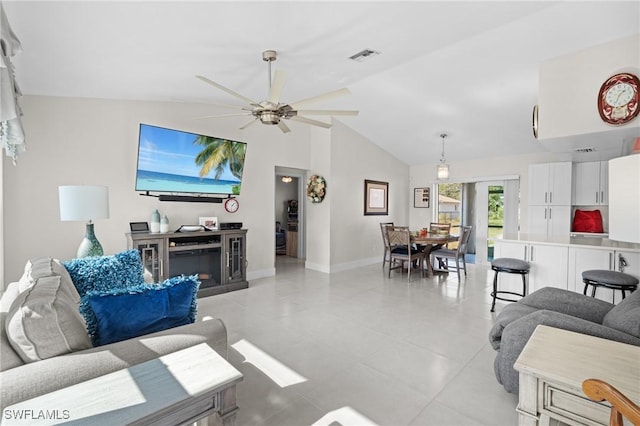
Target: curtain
x=11 y=131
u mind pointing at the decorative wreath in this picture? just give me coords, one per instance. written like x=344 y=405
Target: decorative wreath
x=316 y=189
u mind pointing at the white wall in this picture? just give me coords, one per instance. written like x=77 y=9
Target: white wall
x=569 y=85
x=90 y=141
x=94 y=141
x=356 y=238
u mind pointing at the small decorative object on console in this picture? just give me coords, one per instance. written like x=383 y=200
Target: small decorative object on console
x=211 y=223
x=231 y=205
x=155 y=221
x=618 y=99
x=316 y=189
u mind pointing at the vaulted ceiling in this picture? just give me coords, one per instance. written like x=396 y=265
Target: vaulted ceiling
x=469 y=69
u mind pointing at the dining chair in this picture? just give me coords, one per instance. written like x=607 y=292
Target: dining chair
x=386 y=257
x=403 y=251
x=439 y=228
x=443 y=255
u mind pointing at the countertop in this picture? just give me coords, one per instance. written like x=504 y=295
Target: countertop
x=582 y=241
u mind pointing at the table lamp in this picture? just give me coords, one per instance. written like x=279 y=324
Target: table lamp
x=85 y=203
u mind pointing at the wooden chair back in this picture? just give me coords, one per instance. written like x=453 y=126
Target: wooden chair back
x=621 y=406
x=399 y=236
x=440 y=228
x=463 y=240
x=383 y=229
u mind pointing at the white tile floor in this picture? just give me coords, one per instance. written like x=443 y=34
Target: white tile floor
x=358 y=348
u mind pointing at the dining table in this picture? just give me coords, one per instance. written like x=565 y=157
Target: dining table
x=429 y=239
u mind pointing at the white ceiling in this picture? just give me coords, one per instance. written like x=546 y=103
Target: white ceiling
x=469 y=69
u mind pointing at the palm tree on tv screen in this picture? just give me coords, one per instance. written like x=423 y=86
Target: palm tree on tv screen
x=217 y=153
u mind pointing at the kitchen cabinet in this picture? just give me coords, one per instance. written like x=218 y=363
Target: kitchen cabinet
x=548 y=264
x=591 y=183
x=549 y=221
x=550 y=184
x=585 y=258
x=550 y=199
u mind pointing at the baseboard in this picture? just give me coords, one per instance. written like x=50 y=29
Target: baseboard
x=261 y=273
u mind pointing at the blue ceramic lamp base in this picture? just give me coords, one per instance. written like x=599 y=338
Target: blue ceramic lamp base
x=90 y=246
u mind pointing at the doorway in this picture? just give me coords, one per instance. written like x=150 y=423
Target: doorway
x=289 y=214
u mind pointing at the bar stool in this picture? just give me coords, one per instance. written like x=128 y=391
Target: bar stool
x=609 y=279
x=510 y=266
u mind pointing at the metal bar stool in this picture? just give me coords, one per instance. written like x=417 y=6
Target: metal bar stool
x=609 y=279
x=510 y=266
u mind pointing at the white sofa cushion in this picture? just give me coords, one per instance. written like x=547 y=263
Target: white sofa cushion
x=44 y=321
x=8 y=357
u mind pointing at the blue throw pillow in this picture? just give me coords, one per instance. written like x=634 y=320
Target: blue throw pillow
x=103 y=273
x=121 y=314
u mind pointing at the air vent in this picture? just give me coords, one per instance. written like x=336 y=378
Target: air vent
x=583 y=150
x=363 y=55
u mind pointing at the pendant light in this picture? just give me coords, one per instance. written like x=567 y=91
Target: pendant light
x=443 y=167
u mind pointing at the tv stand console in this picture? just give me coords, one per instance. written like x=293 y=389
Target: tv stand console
x=218 y=257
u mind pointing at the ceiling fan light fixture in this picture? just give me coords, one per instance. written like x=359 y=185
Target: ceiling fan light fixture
x=269 y=117
x=443 y=167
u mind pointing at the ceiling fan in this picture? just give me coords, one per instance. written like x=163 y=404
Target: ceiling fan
x=271 y=111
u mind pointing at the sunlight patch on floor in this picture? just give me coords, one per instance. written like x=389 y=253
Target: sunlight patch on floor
x=277 y=371
x=345 y=416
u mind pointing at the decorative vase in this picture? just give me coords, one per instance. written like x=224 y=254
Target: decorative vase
x=90 y=246
x=155 y=221
x=164 y=224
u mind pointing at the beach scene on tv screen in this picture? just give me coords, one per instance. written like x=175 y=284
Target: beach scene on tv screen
x=176 y=161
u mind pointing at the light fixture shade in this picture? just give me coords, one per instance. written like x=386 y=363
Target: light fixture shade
x=287 y=179
x=81 y=202
x=443 y=171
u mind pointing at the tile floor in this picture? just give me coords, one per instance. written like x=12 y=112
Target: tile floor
x=357 y=348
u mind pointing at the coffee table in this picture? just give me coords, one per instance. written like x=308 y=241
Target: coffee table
x=178 y=388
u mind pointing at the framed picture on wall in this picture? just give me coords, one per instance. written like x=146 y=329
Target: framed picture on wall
x=376 y=198
x=421 y=197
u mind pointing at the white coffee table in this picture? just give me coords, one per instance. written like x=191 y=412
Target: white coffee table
x=179 y=388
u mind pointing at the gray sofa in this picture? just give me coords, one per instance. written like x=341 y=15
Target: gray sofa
x=561 y=309
x=25 y=380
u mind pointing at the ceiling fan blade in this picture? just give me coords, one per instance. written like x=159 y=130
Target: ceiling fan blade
x=283 y=127
x=249 y=124
x=326 y=112
x=320 y=98
x=276 y=86
x=311 y=121
x=224 y=89
x=222 y=115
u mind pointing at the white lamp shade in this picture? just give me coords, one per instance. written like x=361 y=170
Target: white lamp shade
x=84 y=202
x=443 y=171
x=624 y=199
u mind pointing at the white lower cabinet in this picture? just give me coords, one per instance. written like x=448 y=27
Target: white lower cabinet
x=548 y=265
x=585 y=258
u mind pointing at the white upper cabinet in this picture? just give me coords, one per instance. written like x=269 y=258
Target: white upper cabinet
x=550 y=199
x=591 y=183
x=550 y=184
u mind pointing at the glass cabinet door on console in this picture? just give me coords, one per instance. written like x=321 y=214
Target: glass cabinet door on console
x=152 y=254
x=235 y=257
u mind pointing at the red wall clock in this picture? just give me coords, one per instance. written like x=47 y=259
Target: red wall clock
x=618 y=99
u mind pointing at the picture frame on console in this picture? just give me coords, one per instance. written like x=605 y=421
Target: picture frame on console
x=209 y=222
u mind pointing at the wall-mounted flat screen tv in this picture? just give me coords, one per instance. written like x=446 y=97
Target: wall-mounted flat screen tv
x=181 y=162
